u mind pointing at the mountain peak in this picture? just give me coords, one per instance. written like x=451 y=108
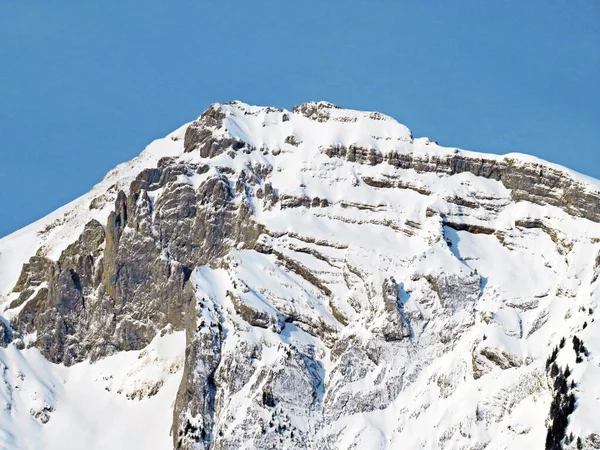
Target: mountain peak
x=329 y=124
x=320 y=128
x=315 y=278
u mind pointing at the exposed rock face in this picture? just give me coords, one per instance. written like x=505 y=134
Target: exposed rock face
x=395 y=326
x=200 y=135
x=328 y=299
x=531 y=182
x=115 y=290
x=5 y=334
x=488 y=356
x=319 y=111
x=193 y=416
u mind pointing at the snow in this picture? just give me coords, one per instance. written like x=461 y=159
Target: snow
x=89 y=401
x=528 y=277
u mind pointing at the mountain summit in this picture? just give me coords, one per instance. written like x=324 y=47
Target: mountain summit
x=316 y=278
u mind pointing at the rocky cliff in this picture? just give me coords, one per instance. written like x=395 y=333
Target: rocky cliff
x=340 y=284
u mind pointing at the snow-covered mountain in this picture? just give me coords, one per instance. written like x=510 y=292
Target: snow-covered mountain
x=315 y=278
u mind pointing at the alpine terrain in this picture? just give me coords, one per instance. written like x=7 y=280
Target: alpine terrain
x=308 y=279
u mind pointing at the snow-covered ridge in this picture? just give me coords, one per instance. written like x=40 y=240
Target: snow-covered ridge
x=341 y=285
x=314 y=126
x=321 y=124
x=303 y=136
x=273 y=137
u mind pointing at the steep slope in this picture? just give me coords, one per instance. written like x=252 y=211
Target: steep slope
x=339 y=283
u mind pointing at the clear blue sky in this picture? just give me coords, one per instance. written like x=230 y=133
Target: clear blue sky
x=86 y=85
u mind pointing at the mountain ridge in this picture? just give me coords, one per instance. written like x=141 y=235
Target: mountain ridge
x=327 y=251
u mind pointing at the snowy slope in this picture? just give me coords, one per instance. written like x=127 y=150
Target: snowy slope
x=110 y=404
x=417 y=305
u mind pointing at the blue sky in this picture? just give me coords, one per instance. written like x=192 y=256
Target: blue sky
x=86 y=85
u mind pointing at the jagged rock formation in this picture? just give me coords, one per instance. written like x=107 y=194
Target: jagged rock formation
x=339 y=283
